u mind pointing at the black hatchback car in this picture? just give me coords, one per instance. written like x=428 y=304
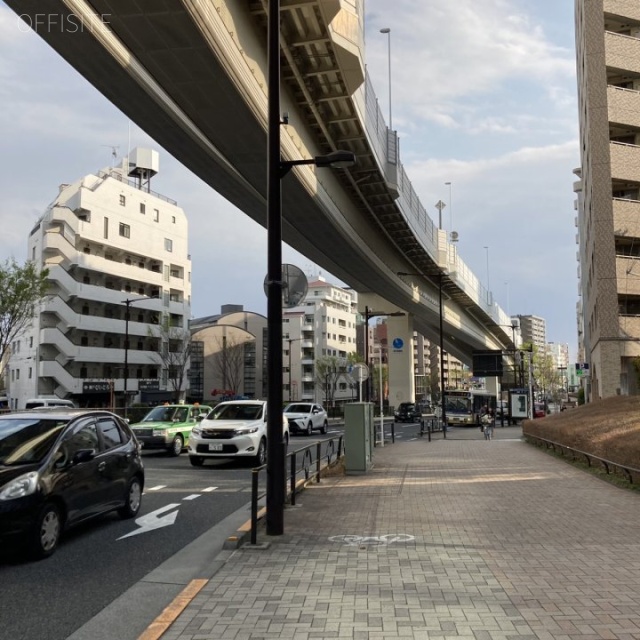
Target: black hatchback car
x=60 y=467
x=407 y=412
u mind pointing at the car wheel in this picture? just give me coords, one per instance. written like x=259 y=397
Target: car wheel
x=196 y=461
x=46 y=533
x=176 y=445
x=261 y=456
x=323 y=428
x=133 y=499
x=309 y=430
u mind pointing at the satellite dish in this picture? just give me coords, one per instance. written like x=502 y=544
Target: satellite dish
x=294 y=286
x=360 y=371
x=454 y=236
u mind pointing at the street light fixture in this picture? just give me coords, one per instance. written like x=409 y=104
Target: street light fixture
x=128 y=303
x=387 y=31
x=276 y=169
x=488 y=285
x=441 y=331
x=448 y=184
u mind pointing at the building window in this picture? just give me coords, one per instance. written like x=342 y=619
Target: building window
x=31 y=342
x=173 y=219
x=143 y=208
x=17 y=374
x=125 y=230
x=156 y=215
x=123 y=200
x=168 y=244
x=30 y=373
x=106 y=228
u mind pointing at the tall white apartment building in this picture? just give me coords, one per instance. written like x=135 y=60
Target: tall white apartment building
x=110 y=244
x=608 y=193
x=533 y=330
x=559 y=353
x=323 y=326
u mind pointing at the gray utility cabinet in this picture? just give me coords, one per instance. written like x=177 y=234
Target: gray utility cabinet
x=358 y=437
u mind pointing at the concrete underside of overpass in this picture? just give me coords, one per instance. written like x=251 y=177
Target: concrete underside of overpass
x=192 y=75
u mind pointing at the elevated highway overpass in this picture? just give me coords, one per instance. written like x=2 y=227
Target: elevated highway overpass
x=192 y=74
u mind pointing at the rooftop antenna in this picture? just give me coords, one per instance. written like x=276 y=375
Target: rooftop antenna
x=114 y=152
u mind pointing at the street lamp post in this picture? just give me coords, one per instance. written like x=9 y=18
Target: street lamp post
x=387 y=31
x=488 y=284
x=276 y=170
x=440 y=206
x=448 y=184
x=441 y=332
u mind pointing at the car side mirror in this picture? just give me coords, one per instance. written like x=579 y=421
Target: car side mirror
x=83 y=455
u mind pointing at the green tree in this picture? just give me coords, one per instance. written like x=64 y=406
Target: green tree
x=21 y=288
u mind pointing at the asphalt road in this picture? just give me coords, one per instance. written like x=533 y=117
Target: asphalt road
x=98 y=561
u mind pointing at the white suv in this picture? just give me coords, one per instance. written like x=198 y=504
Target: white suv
x=236 y=428
x=304 y=417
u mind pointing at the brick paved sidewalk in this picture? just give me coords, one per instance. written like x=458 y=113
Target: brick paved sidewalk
x=459 y=538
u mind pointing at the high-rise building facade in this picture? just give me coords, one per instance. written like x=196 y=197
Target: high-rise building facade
x=111 y=246
x=533 y=330
x=608 y=193
x=322 y=327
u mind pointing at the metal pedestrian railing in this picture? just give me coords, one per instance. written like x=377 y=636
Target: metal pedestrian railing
x=609 y=465
x=303 y=468
x=431 y=424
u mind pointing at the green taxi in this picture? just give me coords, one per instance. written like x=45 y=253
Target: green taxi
x=168 y=426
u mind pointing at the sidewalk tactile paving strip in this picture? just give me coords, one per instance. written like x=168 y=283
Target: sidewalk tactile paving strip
x=454 y=539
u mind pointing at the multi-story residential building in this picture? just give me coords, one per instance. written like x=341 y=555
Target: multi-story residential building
x=608 y=193
x=533 y=330
x=454 y=376
x=228 y=355
x=323 y=326
x=111 y=246
x=559 y=353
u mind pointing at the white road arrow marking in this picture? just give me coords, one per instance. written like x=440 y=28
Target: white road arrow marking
x=151 y=521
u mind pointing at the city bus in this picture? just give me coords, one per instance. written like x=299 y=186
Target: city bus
x=463 y=407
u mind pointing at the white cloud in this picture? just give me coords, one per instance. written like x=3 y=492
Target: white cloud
x=483 y=97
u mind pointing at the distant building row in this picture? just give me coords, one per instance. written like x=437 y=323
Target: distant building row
x=120 y=301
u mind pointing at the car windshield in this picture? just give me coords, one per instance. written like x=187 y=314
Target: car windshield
x=167 y=414
x=27 y=441
x=458 y=405
x=298 y=408
x=236 y=412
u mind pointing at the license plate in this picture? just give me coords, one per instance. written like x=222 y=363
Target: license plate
x=215 y=447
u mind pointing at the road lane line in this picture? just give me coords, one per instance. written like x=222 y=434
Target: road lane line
x=157 y=628
x=208 y=489
x=157 y=488
x=193 y=496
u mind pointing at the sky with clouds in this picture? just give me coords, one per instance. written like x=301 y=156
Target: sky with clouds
x=483 y=96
